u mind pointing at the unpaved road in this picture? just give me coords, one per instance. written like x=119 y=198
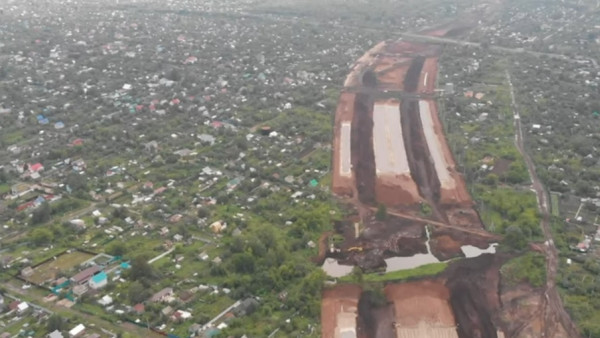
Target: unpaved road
x=554 y=311
x=478 y=232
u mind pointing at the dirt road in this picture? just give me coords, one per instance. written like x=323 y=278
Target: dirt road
x=478 y=232
x=554 y=311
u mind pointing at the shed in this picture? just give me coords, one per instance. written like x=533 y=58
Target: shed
x=77 y=331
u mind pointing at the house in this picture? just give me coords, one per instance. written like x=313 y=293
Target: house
x=162 y=295
x=98 y=281
x=175 y=218
x=79 y=290
x=83 y=276
x=77 y=331
x=167 y=310
x=13 y=305
x=21 y=189
x=76 y=142
x=246 y=307
x=37 y=167
x=22 y=307
x=218 y=226
x=106 y=300
x=186 y=296
x=181 y=315
x=54 y=334
x=139 y=308
x=27 y=272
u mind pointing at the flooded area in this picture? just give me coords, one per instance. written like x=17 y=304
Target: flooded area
x=472 y=251
x=336 y=270
x=414 y=261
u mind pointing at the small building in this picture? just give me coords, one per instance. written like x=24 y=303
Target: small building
x=162 y=295
x=139 y=308
x=167 y=310
x=37 y=167
x=77 y=331
x=79 y=290
x=54 y=334
x=22 y=307
x=98 y=281
x=105 y=301
x=181 y=315
x=83 y=276
x=27 y=272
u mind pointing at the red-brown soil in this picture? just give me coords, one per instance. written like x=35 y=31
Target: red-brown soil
x=428 y=78
x=424 y=301
x=468 y=300
x=342 y=185
x=336 y=300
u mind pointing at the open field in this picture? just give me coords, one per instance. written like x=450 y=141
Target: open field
x=49 y=270
x=394 y=182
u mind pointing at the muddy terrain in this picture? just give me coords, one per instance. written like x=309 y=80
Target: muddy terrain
x=468 y=300
x=393 y=152
x=390 y=150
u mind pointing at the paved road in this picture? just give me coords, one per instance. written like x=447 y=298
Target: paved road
x=554 y=311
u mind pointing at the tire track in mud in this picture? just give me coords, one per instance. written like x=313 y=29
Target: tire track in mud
x=363 y=155
x=419 y=157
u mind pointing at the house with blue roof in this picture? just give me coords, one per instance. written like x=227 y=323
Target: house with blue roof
x=98 y=281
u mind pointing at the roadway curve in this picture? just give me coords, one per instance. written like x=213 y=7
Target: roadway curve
x=554 y=311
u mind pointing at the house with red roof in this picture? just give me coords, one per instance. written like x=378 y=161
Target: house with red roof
x=76 y=142
x=36 y=167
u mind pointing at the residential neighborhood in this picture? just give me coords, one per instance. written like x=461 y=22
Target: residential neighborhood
x=166 y=167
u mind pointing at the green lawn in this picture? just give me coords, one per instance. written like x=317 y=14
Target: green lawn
x=554 y=201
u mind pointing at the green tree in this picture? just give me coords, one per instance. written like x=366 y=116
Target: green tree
x=55 y=322
x=41 y=236
x=41 y=214
x=137 y=293
x=514 y=238
x=116 y=248
x=76 y=182
x=140 y=269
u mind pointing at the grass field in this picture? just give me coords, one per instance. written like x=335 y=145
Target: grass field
x=49 y=270
x=554 y=203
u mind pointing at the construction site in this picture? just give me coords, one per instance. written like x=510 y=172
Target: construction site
x=392 y=165
x=389 y=149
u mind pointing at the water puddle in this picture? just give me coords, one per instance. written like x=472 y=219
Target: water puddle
x=473 y=251
x=335 y=269
x=414 y=261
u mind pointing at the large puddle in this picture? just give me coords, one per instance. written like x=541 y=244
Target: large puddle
x=336 y=270
x=473 y=251
x=414 y=261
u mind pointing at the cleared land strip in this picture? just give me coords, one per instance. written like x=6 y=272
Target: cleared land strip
x=435 y=147
x=345 y=165
x=390 y=154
